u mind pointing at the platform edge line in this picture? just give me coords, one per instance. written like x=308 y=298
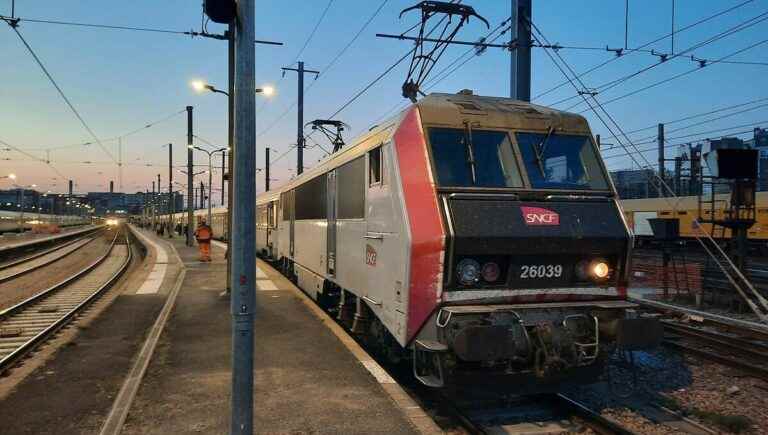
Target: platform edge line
x=421 y=421
x=113 y=425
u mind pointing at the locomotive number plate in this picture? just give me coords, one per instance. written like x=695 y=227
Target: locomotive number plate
x=540 y=271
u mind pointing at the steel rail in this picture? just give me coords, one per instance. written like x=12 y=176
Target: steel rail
x=597 y=422
x=9 y=360
x=38 y=255
x=736 y=344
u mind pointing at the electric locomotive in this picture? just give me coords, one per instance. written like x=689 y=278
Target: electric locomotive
x=479 y=237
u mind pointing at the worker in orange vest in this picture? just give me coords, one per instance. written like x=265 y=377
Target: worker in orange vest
x=203 y=235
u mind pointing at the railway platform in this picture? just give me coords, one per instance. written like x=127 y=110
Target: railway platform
x=309 y=377
x=13 y=240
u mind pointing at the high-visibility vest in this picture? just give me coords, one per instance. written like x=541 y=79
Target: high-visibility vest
x=203 y=233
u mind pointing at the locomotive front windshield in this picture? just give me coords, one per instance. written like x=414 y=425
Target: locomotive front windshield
x=559 y=161
x=485 y=158
x=478 y=158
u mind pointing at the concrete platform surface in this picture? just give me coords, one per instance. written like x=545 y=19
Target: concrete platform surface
x=307 y=381
x=12 y=240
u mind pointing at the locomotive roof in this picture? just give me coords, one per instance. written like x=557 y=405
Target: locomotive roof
x=497 y=112
x=450 y=110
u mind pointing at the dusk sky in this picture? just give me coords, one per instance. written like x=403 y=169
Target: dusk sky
x=121 y=80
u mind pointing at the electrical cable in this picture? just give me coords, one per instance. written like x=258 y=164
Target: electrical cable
x=627 y=51
x=648 y=139
x=61 y=93
x=677 y=144
x=677 y=76
x=760 y=311
x=613 y=83
x=722 y=109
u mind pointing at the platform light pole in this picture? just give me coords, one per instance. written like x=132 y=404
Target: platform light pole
x=242 y=246
x=210 y=175
x=171 y=202
x=190 y=186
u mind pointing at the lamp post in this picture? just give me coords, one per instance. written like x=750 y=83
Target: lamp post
x=210 y=173
x=21 y=214
x=267 y=91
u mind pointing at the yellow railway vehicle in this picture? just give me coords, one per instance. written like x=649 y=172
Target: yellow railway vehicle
x=686 y=209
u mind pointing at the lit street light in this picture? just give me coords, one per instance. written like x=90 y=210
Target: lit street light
x=200 y=86
x=210 y=174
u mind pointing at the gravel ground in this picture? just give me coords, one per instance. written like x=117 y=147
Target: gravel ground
x=723 y=390
x=25 y=286
x=703 y=391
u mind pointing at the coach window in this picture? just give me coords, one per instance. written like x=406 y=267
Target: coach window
x=374 y=167
x=350 y=187
x=310 y=200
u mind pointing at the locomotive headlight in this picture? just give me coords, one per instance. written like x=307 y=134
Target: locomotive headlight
x=491 y=272
x=595 y=270
x=599 y=269
x=468 y=271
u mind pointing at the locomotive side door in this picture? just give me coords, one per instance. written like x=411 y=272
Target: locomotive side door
x=331 y=236
x=292 y=208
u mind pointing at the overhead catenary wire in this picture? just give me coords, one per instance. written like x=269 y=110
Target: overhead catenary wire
x=616 y=82
x=324 y=70
x=62 y=94
x=652 y=138
x=677 y=76
x=628 y=51
x=677 y=144
x=689 y=117
x=299 y=53
x=737 y=274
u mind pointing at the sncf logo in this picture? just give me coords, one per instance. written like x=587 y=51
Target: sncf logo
x=539 y=216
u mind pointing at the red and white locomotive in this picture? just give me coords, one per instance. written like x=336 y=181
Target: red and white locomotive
x=479 y=236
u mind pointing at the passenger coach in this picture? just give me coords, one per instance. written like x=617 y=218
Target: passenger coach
x=479 y=237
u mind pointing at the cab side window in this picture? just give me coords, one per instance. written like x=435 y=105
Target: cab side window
x=375 y=167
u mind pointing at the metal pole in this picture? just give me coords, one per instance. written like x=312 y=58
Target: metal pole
x=190 y=186
x=231 y=131
x=21 y=216
x=171 y=202
x=266 y=171
x=210 y=187
x=520 y=62
x=159 y=202
x=202 y=195
x=300 y=126
x=242 y=244
x=223 y=168
x=660 y=140
x=154 y=204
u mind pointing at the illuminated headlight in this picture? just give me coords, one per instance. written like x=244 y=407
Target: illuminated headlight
x=599 y=270
x=595 y=270
x=468 y=271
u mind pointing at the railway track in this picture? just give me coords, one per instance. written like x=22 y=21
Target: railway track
x=31 y=322
x=546 y=413
x=16 y=268
x=731 y=350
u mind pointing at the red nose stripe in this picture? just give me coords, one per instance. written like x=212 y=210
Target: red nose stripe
x=427 y=234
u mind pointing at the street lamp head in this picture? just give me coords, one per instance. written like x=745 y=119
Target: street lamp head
x=198 y=85
x=191 y=147
x=12 y=176
x=267 y=90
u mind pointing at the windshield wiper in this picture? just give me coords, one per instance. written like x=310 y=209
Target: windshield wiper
x=540 y=148
x=470 y=151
